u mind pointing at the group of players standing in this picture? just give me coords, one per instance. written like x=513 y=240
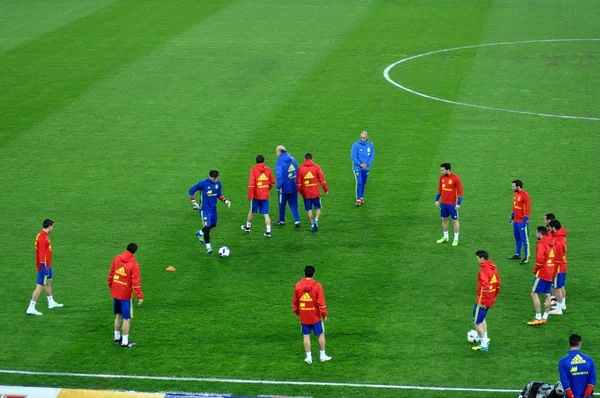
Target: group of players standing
x=291 y=180
x=577 y=371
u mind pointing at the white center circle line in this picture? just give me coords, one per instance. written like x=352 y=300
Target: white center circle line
x=386 y=74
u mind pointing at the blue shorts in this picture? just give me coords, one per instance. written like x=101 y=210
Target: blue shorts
x=209 y=219
x=317 y=328
x=309 y=204
x=448 y=211
x=541 y=286
x=41 y=279
x=479 y=313
x=559 y=280
x=260 y=206
x=123 y=307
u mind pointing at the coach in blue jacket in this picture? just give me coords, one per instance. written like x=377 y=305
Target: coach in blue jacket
x=363 y=153
x=286 y=170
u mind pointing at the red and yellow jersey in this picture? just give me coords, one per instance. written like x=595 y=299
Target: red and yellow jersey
x=560 y=253
x=43 y=250
x=450 y=189
x=261 y=182
x=545 y=267
x=309 y=301
x=308 y=179
x=521 y=206
x=124 y=277
x=488 y=284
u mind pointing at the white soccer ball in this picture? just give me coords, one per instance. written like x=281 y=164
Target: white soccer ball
x=472 y=336
x=224 y=251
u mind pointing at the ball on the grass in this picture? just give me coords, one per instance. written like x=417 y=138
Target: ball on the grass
x=224 y=251
x=472 y=336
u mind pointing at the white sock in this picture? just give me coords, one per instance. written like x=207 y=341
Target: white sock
x=50 y=300
x=117 y=335
x=208 y=246
x=485 y=335
x=456 y=236
x=125 y=340
x=32 y=305
x=445 y=234
x=316 y=220
x=248 y=225
x=538 y=316
x=269 y=229
x=563 y=304
x=545 y=316
x=322 y=352
x=309 y=356
x=484 y=342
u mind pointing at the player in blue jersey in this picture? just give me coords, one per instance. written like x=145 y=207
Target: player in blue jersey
x=363 y=153
x=211 y=190
x=286 y=170
x=577 y=371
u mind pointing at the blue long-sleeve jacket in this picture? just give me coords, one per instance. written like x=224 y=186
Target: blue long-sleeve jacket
x=286 y=170
x=577 y=370
x=362 y=153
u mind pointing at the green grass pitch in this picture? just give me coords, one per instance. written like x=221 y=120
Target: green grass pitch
x=110 y=110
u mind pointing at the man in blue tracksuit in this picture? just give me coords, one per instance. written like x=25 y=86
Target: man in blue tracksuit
x=577 y=371
x=286 y=170
x=363 y=153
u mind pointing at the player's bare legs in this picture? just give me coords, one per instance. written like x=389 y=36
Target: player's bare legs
x=49 y=287
x=36 y=293
x=536 y=302
x=310 y=217
x=322 y=356
x=322 y=341
x=118 y=322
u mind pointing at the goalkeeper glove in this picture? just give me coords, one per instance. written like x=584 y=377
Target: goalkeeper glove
x=195 y=205
x=227 y=202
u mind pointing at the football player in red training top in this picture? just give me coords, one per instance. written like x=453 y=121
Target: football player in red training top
x=488 y=288
x=519 y=218
x=544 y=271
x=308 y=179
x=450 y=192
x=259 y=188
x=123 y=280
x=559 y=237
x=309 y=304
x=43 y=260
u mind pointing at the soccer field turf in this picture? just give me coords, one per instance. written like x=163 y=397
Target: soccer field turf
x=111 y=110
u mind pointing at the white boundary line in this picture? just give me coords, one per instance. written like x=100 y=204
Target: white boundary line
x=245 y=381
x=387 y=77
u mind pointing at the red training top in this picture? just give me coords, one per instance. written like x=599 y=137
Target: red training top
x=309 y=301
x=488 y=283
x=521 y=206
x=43 y=250
x=560 y=250
x=261 y=182
x=450 y=188
x=124 y=277
x=308 y=179
x=545 y=268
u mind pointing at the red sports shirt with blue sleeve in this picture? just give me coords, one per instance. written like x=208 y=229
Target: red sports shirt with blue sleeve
x=43 y=250
x=521 y=206
x=450 y=188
